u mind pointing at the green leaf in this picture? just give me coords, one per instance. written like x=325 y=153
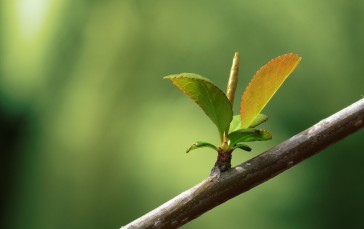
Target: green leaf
x=236 y=122
x=209 y=97
x=243 y=147
x=200 y=144
x=258 y=120
x=248 y=135
x=264 y=85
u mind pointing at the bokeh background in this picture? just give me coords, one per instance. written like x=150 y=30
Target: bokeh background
x=93 y=137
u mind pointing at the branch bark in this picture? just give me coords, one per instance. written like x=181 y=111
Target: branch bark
x=212 y=192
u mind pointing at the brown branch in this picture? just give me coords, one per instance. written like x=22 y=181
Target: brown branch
x=212 y=192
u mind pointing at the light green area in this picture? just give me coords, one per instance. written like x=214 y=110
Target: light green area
x=98 y=138
x=261 y=118
x=236 y=122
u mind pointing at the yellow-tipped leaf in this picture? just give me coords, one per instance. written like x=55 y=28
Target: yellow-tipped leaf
x=264 y=84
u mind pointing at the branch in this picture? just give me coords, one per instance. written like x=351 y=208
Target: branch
x=212 y=192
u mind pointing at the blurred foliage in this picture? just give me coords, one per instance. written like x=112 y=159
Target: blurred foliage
x=92 y=137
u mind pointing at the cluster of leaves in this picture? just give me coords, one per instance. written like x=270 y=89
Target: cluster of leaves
x=237 y=129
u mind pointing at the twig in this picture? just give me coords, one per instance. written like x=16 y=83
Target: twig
x=213 y=192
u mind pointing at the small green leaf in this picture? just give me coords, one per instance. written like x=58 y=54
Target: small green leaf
x=236 y=122
x=248 y=135
x=200 y=144
x=242 y=146
x=208 y=96
x=259 y=120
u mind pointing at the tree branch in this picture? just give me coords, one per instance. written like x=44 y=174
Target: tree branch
x=212 y=192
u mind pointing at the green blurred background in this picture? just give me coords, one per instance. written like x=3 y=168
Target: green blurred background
x=93 y=137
